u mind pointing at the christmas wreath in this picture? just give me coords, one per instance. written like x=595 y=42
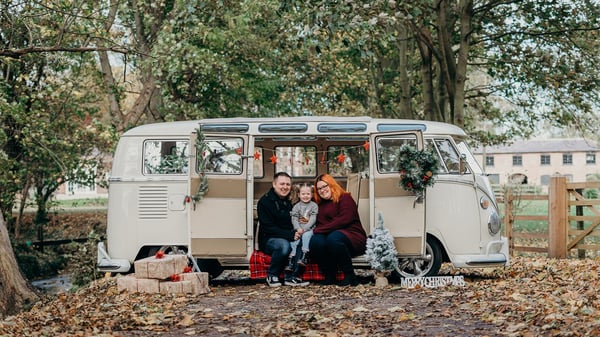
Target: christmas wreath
x=417 y=168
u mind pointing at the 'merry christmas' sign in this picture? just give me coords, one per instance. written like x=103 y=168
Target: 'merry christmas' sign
x=432 y=281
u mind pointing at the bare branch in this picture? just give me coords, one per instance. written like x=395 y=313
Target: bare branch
x=17 y=53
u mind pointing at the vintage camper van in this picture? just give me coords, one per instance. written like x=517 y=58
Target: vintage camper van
x=193 y=186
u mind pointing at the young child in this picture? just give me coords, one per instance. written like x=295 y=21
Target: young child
x=304 y=217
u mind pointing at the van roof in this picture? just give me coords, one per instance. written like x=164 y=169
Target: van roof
x=305 y=124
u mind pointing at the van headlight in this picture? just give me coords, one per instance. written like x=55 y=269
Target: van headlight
x=494 y=223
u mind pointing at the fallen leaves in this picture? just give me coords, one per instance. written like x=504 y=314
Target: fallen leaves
x=532 y=297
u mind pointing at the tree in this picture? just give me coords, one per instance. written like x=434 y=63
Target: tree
x=508 y=64
x=15 y=292
x=140 y=22
x=222 y=59
x=50 y=132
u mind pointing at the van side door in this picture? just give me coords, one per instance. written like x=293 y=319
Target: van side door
x=218 y=209
x=403 y=214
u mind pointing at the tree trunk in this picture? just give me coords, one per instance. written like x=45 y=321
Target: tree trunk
x=14 y=290
x=406 y=95
x=466 y=15
x=426 y=74
x=446 y=59
x=23 y=203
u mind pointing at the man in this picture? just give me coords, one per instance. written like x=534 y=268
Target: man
x=276 y=230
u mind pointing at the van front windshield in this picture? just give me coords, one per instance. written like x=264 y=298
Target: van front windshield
x=449 y=155
x=468 y=155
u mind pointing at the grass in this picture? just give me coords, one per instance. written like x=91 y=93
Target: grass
x=81 y=203
x=540 y=208
x=536 y=207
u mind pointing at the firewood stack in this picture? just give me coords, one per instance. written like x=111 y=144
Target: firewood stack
x=165 y=274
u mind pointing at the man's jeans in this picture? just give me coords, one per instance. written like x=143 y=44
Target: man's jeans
x=279 y=250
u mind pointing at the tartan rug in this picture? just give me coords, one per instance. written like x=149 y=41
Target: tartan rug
x=259 y=263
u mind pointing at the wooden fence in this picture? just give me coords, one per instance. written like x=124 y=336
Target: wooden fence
x=568 y=227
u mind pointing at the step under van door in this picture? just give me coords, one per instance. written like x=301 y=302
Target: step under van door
x=403 y=214
x=218 y=208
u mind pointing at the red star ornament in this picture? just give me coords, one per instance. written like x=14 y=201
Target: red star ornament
x=273 y=159
x=341 y=158
x=366 y=145
x=256 y=155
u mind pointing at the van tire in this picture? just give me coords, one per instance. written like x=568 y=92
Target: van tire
x=210 y=266
x=418 y=267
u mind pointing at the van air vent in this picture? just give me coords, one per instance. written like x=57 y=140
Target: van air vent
x=152 y=202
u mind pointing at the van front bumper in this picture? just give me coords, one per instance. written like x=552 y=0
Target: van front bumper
x=496 y=255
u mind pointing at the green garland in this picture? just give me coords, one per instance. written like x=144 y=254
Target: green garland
x=201 y=149
x=417 y=168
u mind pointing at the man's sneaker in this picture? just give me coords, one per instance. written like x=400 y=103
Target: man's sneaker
x=295 y=281
x=273 y=281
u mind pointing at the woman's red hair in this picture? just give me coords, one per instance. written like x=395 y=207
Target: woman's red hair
x=334 y=187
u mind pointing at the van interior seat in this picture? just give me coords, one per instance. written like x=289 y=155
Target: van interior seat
x=353 y=186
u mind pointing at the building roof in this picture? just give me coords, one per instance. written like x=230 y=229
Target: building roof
x=543 y=146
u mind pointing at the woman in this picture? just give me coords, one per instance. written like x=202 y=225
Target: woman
x=338 y=236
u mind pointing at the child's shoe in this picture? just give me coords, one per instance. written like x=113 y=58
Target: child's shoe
x=290 y=265
x=303 y=261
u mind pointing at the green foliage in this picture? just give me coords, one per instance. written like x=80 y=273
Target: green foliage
x=50 y=126
x=82 y=259
x=35 y=264
x=219 y=59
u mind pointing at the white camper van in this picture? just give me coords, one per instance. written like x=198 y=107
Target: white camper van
x=193 y=186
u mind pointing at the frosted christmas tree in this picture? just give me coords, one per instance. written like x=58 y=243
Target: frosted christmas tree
x=381 y=252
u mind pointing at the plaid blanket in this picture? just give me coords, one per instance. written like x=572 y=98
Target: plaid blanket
x=259 y=263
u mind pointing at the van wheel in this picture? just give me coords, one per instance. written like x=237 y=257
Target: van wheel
x=210 y=266
x=421 y=267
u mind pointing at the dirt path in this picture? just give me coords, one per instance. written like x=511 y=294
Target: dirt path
x=256 y=310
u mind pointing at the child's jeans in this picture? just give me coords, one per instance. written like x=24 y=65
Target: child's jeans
x=305 y=239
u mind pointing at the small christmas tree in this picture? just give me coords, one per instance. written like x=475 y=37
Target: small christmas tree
x=381 y=252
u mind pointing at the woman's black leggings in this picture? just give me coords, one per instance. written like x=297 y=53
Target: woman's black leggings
x=331 y=251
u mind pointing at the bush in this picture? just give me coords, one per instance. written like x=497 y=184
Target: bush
x=591 y=193
x=82 y=260
x=35 y=264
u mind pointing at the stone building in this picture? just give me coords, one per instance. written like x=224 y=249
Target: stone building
x=533 y=162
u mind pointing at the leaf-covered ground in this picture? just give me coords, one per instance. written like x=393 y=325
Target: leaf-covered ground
x=533 y=297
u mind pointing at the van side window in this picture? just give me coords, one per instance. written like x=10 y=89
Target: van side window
x=388 y=150
x=298 y=161
x=342 y=160
x=223 y=156
x=165 y=157
x=450 y=156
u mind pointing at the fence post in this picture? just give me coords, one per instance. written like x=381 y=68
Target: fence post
x=508 y=220
x=580 y=223
x=557 y=217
